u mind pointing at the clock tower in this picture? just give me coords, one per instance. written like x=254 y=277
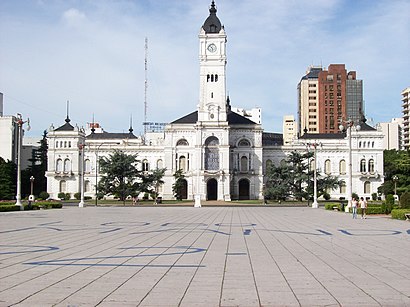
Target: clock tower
x=212 y=55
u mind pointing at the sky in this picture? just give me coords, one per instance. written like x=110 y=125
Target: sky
x=91 y=53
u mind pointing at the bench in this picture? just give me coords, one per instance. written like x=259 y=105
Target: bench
x=407 y=215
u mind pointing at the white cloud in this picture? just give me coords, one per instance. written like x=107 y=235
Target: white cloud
x=73 y=17
x=92 y=53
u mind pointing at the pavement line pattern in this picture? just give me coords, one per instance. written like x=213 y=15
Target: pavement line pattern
x=209 y=256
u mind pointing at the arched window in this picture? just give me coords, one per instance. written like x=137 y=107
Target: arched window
x=342 y=188
x=207 y=78
x=212 y=153
x=65 y=144
x=145 y=165
x=363 y=166
x=182 y=163
x=87 y=166
x=59 y=165
x=244 y=143
x=61 y=144
x=244 y=164
x=160 y=164
x=67 y=165
x=87 y=186
x=327 y=167
x=63 y=186
x=342 y=167
x=268 y=163
x=360 y=144
x=372 y=144
x=212 y=78
x=69 y=144
x=216 y=78
x=371 y=166
x=366 y=187
x=182 y=142
x=57 y=144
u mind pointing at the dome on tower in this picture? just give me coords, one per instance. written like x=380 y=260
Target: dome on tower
x=212 y=24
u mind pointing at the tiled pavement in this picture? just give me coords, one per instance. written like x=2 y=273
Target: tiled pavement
x=209 y=256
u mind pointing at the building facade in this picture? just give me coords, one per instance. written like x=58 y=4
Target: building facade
x=406 y=109
x=223 y=155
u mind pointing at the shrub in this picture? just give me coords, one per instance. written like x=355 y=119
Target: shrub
x=405 y=200
x=43 y=195
x=6 y=208
x=390 y=199
x=399 y=213
x=374 y=196
x=372 y=210
x=329 y=206
x=61 y=195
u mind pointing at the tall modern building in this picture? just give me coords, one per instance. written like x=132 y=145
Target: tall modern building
x=328 y=97
x=406 y=108
x=392 y=134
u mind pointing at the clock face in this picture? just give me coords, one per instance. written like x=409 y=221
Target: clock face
x=211 y=48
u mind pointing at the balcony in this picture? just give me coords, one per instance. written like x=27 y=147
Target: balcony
x=369 y=175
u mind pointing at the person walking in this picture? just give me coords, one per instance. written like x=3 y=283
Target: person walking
x=363 y=206
x=354 y=207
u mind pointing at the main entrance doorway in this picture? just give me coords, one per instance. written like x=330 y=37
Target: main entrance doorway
x=244 y=189
x=212 y=189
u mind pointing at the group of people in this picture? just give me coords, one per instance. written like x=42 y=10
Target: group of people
x=363 y=205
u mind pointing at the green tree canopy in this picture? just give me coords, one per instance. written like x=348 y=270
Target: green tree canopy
x=8 y=179
x=178 y=184
x=396 y=163
x=121 y=176
x=294 y=178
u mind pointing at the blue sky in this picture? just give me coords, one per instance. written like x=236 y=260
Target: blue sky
x=92 y=53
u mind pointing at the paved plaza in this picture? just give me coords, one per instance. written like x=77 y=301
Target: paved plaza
x=209 y=256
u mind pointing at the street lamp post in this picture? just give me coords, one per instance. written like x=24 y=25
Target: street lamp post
x=31 y=184
x=315 y=204
x=347 y=125
x=19 y=121
x=395 y=178
x=81 y=204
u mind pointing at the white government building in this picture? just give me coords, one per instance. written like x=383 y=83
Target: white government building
x=223 y=154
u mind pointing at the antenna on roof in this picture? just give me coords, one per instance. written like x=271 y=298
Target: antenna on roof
x=146 y=85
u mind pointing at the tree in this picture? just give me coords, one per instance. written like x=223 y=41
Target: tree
x=8 y=178
x=179 y=184
x=277 y=183
x=396 y=163
x=152 y=181
x=37 y=169
x=121 y=177
x=294 y=178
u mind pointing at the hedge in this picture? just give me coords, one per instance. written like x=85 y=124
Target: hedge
x=398 y=214
x=329 y=206
x=11 y=206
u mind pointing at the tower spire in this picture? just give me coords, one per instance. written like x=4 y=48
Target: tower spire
x=93 y=125
x=67 y=120
x=131 y=130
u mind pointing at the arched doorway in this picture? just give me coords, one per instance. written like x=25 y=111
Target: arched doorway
x=184 y=189
x=212 y=189
x=244 y=189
